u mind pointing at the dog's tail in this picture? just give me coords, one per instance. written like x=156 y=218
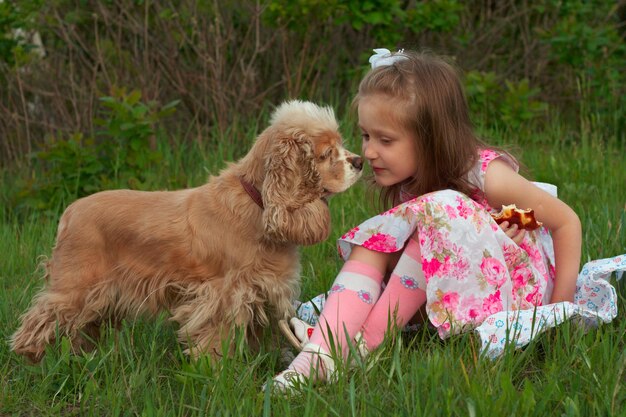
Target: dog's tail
x=38 y=328
x=53 y=314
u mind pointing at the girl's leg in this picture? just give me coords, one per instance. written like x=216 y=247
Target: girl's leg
x=401 y=299
x=349 y=302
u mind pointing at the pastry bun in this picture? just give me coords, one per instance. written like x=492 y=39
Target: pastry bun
x=524 y=219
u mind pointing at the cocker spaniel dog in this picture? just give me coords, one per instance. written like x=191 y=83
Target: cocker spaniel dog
x=215 y=257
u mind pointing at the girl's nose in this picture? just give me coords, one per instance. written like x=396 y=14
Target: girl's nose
x=369 y=151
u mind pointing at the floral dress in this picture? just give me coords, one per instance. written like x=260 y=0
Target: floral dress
x=475 y=276
x=471 y=268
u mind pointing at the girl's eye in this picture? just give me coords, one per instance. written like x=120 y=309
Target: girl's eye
x=385 y=141
x=365 y=136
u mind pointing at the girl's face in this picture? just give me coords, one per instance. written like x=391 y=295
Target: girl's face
x=387 y=145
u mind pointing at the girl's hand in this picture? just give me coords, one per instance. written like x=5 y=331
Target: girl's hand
x=515 y=233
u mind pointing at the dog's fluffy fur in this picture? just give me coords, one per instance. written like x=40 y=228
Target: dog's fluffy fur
x=210 y=255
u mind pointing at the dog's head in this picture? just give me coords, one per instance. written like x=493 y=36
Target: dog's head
x=304 y=163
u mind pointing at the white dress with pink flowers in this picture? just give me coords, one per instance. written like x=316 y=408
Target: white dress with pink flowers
x=475 y=276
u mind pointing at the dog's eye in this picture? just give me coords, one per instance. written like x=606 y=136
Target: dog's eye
x=326 y=154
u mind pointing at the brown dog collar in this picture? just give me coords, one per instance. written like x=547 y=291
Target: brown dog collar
x=254 y=194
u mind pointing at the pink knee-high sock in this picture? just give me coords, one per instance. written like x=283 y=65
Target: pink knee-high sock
x=349 y=301
x=402 y=297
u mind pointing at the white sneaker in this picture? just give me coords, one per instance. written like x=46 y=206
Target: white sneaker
x=290 y=380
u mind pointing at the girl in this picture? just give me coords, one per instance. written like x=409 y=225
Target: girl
x=438 y=246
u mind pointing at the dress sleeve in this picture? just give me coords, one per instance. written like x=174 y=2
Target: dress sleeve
x=477 y=175
x=486 y=156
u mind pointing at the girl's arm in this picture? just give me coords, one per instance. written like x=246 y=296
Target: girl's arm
x=505 y=186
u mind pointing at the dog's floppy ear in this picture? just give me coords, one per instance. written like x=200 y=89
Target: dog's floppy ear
x=292 y=190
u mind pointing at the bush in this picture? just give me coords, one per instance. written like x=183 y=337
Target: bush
x=511 y=104
x=129 y=132
x=124 y=153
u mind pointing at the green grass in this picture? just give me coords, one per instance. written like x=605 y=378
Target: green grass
x=141 y=370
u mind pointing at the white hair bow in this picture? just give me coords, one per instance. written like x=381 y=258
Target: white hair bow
x=384 y=57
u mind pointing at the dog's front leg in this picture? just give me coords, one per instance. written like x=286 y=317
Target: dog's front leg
x=212 y=317
x=215 y=341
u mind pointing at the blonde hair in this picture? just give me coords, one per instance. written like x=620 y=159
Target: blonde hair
x=429 y=92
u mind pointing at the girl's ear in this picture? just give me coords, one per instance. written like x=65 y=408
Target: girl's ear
x=292 y=190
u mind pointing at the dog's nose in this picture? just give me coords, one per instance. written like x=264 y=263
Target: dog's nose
x=356 y=162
